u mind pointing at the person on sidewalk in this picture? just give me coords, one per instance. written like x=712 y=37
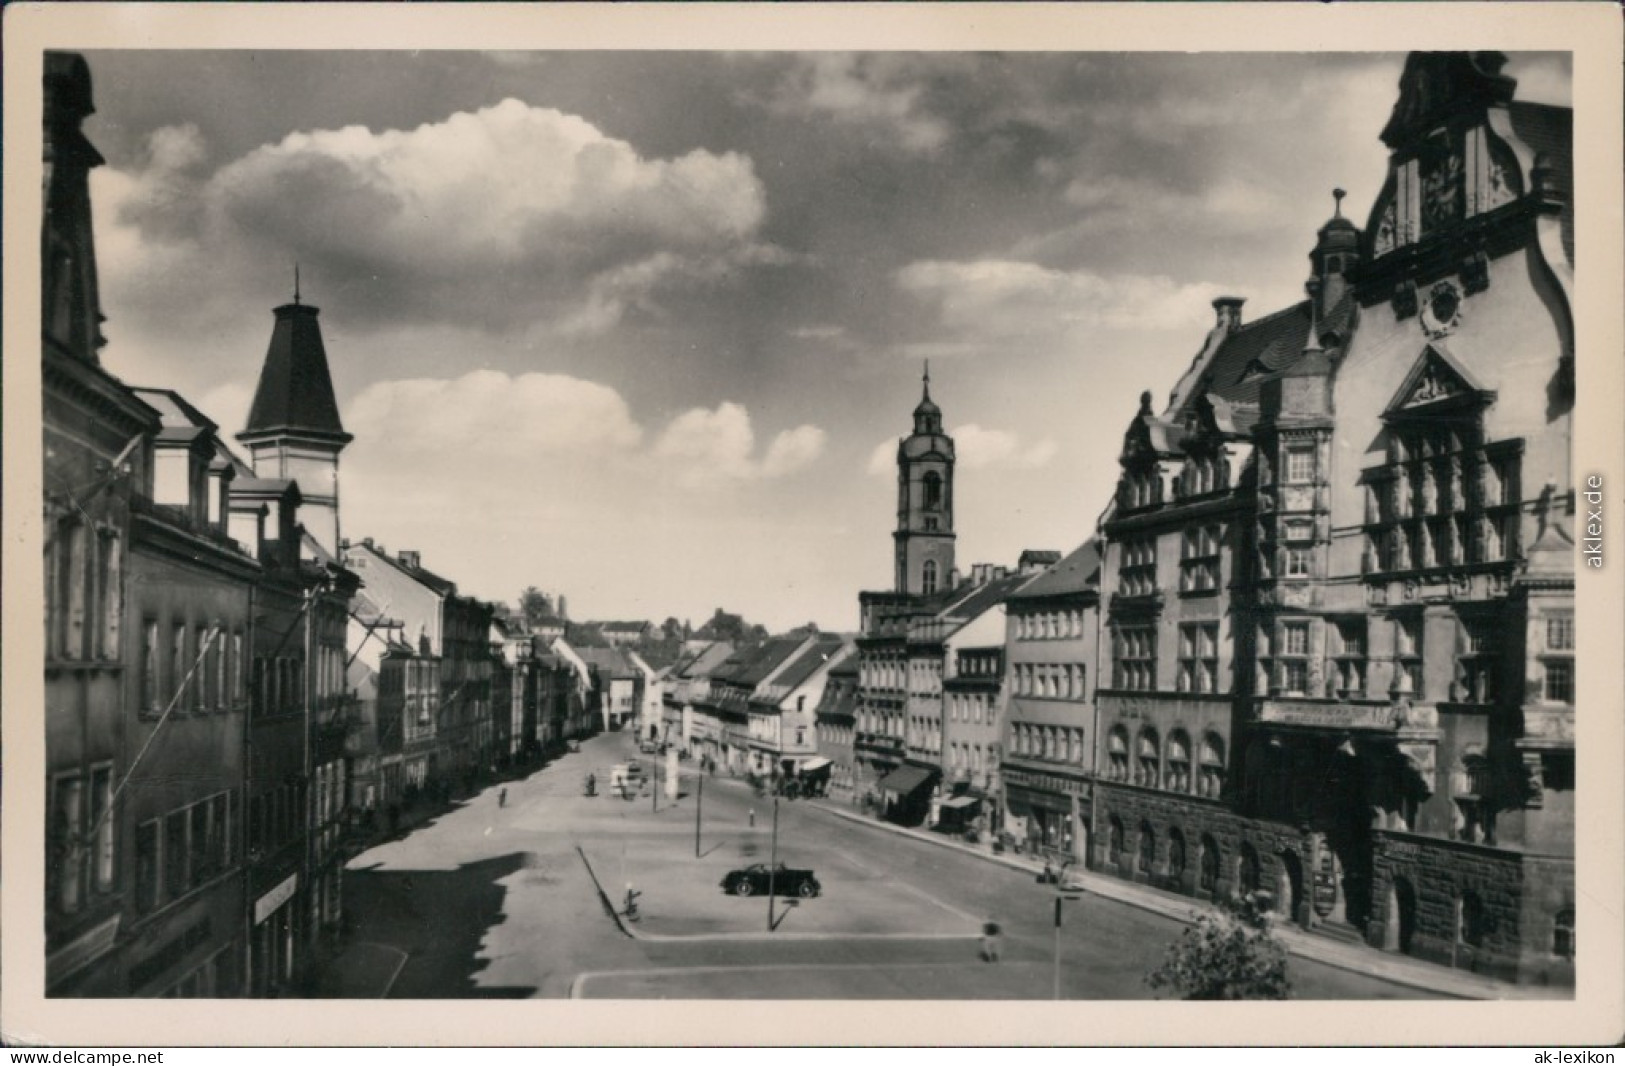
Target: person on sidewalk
x=502 y=798
x=991 y=934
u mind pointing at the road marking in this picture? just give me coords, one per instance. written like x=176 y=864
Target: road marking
x=578 y=986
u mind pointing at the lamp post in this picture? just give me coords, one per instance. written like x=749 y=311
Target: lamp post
x=773 y=864
x=1061 y=896
x=699 y=803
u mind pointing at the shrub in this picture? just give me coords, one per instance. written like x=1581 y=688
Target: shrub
x=1228 y=953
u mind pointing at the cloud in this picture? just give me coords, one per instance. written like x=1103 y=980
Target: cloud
x=975 y=448
x=711 y=448
x=509 y=215
x=1000 y=301
x=228 y=406
x=878 y=92
x=990 y=449
x=486 y=415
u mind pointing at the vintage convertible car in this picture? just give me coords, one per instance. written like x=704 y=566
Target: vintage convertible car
x=786 y=882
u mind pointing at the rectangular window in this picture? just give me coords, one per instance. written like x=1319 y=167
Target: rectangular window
x=68 y=853
x=101 y=809
x=177 y=856
x=1199 y=559
x=1294 y=658
x=1476 y=663
x=150 y=683
x=1295 y=563
x=74 y=599
x=1300 y=465
x=199 y=663
x=1560 y=633
x=200 y=862
x=1349 y=657
x=1137 y=658
x=112 y=597
x=1408 y=655
x=1559 y=681
x=177 y=660
x=1198 y=657
x=1139 y=569
x=147 y=857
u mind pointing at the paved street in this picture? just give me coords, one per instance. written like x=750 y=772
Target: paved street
x=493 y=901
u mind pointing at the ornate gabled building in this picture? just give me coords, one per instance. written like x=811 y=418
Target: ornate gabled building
x=1339 y=574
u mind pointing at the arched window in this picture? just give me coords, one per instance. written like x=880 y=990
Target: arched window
x=1212 y=780
x=1179 y=761
x=932 y=483
x=1210 y=864
x=1150 y=768
x=928 y=577
x=1176 y=855
x=1471 y=924
x=1148 y=848
x=1247 y=870
x=1115 y=841
x=1117 y=752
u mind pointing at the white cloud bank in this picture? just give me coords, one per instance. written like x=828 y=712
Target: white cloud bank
x=707 y=448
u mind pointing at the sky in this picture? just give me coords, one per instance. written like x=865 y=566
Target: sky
x=643 y=328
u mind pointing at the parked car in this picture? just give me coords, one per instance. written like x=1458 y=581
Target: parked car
x=785 y=882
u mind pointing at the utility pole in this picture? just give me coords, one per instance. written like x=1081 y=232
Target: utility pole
x=773 y=864
x=1060 y=898
x=699 y=802
x=654 y=786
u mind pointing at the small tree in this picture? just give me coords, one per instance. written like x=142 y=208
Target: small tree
x=1229 y=953
x=535 y=605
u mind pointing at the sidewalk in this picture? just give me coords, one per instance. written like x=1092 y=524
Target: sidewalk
x=1355 y=958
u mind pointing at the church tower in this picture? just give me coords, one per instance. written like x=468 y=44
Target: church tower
x=293 y=428
x=925 y=502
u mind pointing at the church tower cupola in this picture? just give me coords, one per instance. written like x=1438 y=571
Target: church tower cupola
x=293 y=428
x=924 y=540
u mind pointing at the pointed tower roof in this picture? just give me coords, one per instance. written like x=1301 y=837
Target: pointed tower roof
x=927 y=416
x=295 y=394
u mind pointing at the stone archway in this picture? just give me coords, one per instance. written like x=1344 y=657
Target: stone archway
x=1289 y=885
x=1399 y=919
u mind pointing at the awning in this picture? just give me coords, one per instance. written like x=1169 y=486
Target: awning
x=959 y=803
x=905 y=779
x=817 y=762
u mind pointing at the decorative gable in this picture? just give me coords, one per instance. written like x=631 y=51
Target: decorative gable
x=1436 y=380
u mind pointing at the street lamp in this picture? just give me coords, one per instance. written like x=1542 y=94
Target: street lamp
x=773 y=864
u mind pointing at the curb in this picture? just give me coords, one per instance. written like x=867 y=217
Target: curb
x=1296 y=942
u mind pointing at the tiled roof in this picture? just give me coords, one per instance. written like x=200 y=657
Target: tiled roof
x=817 y=653
x=296 y=389
x=1075 y=573
x=774 y=652
x=1550 y=132
x=986 y=596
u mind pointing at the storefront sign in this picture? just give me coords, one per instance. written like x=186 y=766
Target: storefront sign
x=268 y=903
x=1328 y=715
x=85 y=949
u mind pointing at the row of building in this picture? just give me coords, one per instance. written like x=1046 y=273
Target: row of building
x=236 y=696
x=1321 y=643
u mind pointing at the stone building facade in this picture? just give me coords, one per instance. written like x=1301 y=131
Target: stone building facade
x=1339 y=567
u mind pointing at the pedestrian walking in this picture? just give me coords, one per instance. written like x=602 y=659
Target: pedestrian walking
x=991 y=934
x=753 y=817
x=502 y=798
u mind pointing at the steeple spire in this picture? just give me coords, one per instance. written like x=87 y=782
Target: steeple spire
x=1337 y=207
x=296 y=281
x=927 y=380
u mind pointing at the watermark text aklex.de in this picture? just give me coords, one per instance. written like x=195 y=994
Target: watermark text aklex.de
x=1591 y=541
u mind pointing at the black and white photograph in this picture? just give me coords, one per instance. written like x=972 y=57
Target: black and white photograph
x=911 y=522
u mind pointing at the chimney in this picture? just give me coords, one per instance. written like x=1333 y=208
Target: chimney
x=1228 y=311
x=413 y=559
